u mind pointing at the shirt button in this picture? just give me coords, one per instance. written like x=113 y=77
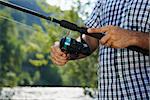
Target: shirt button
x=120 y=76
x=118 y=54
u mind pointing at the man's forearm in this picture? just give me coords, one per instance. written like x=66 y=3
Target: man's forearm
x=141 y=40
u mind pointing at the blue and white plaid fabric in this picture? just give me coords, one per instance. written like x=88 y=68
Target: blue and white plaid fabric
x=123 y=74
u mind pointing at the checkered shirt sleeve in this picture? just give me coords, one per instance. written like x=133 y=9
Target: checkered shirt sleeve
x=123 y=74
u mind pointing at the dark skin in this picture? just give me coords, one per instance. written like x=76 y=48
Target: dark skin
x=115 y=37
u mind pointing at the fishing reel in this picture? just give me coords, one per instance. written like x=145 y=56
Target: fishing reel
x=74 y=48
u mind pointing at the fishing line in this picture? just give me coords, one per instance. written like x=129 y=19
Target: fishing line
x=14 y=21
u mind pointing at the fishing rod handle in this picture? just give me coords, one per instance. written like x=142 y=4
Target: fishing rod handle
x=101 y=35
x=82 y=30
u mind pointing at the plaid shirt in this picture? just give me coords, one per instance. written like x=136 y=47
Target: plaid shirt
x=122 y=73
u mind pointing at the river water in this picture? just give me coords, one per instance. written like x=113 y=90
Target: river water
x=43 y=93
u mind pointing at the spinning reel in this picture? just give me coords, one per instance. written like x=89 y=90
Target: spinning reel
x=73 y=47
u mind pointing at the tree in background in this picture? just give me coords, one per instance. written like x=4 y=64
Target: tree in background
x=12 y=53
x=21 y=48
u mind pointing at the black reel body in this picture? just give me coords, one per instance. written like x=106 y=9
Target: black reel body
x=73 y=47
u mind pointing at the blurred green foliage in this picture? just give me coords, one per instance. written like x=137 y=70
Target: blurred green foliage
x=21 y=48
x=12 y=53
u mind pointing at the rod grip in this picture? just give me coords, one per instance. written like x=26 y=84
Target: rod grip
x=69 y=25
x=138 y=49
x=100 y=35
x=83 y=30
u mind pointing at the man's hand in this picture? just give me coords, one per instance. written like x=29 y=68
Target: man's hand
x=57 y=56
x=116 y=37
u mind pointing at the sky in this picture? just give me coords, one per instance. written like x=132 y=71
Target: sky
x=67 y=4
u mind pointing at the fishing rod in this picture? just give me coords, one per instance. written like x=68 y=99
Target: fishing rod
x=67 y=24
x=62 y=23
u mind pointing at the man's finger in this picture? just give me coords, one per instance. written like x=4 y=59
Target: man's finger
x=109 y=43
x=55 y=55
x=59 y=55
x=105 y=39
x=57 y=61
x=57 y=50
x=99 y=30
